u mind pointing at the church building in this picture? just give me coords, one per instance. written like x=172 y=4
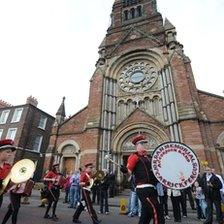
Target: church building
x=143 y=83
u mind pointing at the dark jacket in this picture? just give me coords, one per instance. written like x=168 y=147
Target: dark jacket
x=212 y=192
x=105 y=183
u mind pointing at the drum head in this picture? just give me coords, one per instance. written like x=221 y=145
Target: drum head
x=22 y=171
x=175 y=165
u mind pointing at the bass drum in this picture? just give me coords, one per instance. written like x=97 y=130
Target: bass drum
x=175 y=165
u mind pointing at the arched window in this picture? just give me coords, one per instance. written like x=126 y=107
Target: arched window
x=142 y=104
x=139 y=11
x=126 y=15
x=129 y=2
x=156 y=106
x=132 y=13
x=129 y=106
x=125 y=2
x=133 y=1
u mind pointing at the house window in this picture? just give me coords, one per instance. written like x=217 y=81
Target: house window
x=1 y=131
x=37 y=143
x=4 y=116
x=42 y=123
x=17 y=115
x=11 y=134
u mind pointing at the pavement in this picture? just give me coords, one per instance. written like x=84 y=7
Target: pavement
x=32 y=214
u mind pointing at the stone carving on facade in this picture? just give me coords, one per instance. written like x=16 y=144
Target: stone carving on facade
x=101 y=60
x=201 y=114
x=139 y=88
x=69 y=150
x=151 y=104
x=220 y=140
x=137 y=77
x=129 y=147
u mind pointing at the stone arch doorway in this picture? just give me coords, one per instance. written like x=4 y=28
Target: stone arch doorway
x=69 y=156
x=122 y=146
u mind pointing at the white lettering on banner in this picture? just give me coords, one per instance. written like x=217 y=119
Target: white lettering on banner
x=175 y=165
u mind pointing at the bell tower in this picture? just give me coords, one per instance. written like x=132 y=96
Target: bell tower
x=134 y=17
x=143 y=82
x=132 y=11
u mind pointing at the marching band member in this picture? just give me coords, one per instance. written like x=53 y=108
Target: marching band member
x=53 y=178
x=139 y=164
x=6 y=149
x=84 y=182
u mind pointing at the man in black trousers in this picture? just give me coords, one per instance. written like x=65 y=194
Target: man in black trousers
x=104 y=186
x=139 y=164
x=211 y=186
x=85 y=179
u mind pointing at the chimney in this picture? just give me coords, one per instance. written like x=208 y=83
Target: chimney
x=32 y=100
x=4 y=104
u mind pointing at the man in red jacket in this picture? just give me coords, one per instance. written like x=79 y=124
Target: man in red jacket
x=6 y=149
x=139 y=165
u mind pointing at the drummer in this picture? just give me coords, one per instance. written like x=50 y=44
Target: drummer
x=139 y=164
x=6 y=149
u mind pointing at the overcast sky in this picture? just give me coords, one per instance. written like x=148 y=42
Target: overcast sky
x=48 y=48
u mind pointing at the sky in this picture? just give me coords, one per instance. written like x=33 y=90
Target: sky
x=48 y=48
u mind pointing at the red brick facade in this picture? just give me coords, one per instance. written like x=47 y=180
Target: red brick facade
x=143 y=82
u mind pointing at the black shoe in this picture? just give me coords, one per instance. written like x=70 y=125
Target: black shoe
x=97 y=221
x=76 y=221
x=54 y=218
x=47 y=217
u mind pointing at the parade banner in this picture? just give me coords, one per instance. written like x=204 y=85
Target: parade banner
x=175 y=165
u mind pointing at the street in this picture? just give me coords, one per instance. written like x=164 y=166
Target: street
x=32 y=214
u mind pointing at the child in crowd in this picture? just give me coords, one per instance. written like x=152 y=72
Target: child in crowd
x=200 y=201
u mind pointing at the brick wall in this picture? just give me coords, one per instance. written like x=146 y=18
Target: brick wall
x=212 y=105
